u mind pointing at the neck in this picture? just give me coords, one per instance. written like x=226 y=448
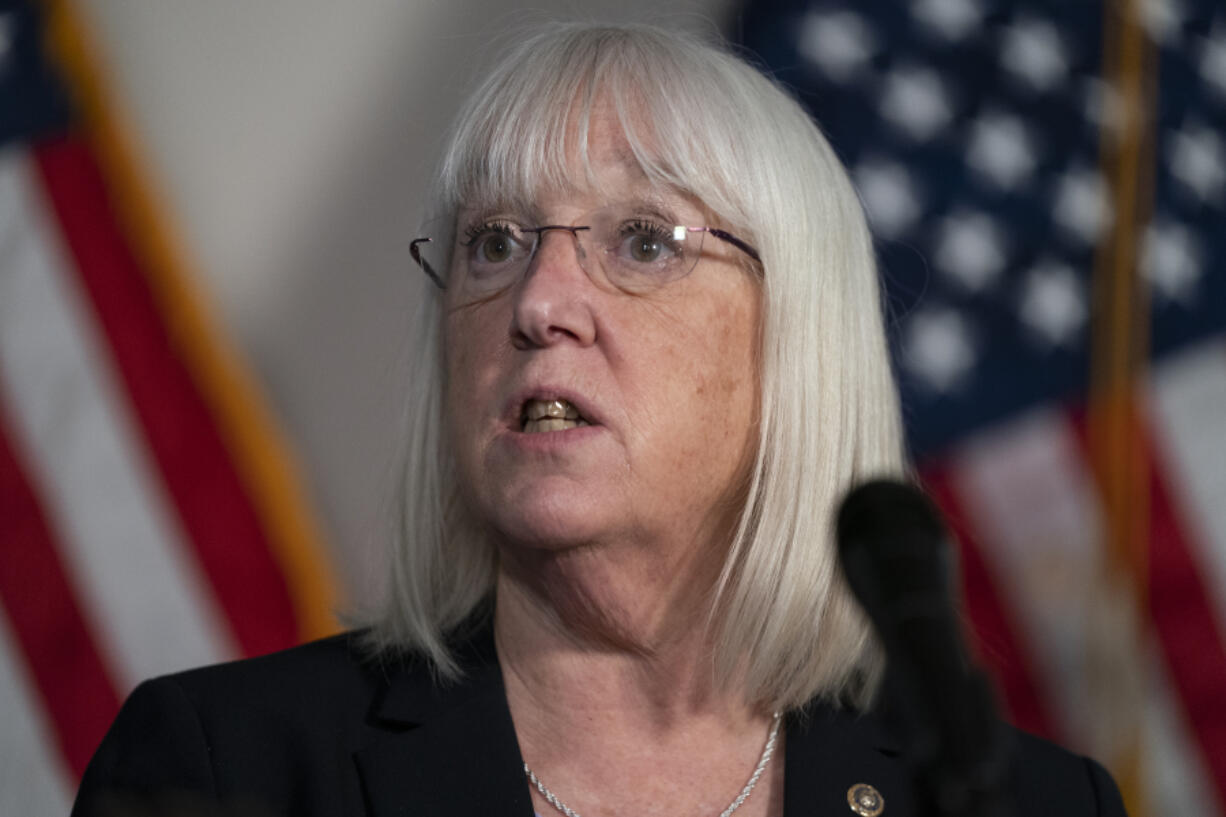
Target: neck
x=602 y=627
x=616 y=708
x=612 y=666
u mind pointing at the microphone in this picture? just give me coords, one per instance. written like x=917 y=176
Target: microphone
x=898 y=562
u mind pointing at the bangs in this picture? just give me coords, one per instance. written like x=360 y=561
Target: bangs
x=529 y=130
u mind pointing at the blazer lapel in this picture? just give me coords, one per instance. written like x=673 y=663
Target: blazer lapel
x=448 y=751
x=451 y=751
x=828 y=752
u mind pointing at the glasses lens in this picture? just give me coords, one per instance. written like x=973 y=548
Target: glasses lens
x=483 y=259
x=491 y=256
x=641 y=248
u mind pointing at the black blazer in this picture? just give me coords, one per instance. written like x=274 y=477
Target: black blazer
x=323 y=729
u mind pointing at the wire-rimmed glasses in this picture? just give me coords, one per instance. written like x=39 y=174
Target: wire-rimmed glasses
x=636 y=248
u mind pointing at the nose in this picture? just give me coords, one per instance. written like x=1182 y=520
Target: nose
x=553 y=303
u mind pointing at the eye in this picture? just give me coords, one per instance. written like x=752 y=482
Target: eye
x=495 y=248
x=492 y=243
x=646 y=242
x=645 y=248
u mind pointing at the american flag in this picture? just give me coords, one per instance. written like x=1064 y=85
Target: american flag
x=1046 y=182
x=149 y=520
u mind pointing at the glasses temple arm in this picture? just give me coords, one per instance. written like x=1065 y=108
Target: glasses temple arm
x=423 y=263
x=736 y=242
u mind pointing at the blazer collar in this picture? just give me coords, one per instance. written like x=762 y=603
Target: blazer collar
x=450 y=749
x=446 y=749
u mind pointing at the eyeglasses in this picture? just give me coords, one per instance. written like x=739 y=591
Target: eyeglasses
x=636 y=248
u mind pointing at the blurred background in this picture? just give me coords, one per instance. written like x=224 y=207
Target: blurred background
x=206 y=296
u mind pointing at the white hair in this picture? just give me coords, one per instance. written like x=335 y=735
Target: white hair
x=700 y=120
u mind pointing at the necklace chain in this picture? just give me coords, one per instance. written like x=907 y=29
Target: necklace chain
x=767 y=751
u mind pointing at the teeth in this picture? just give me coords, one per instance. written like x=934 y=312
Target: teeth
x=552 y=424
x=550 y=415
x=556 y=409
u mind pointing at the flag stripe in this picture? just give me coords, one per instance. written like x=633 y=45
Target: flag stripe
x=87 y=465
x=1176 y=780
x=33 y=777
x=1188 y=405
x=1182 y=612
x=252 y=438
x=77 y=692
x=996 y=640
x=193 y=462
x=1030 y=502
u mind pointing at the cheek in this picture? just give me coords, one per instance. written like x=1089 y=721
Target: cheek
x=471 y=357
x=712 y=369
x=730 y=388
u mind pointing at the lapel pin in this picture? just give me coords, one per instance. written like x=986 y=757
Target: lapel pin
x=865 y=800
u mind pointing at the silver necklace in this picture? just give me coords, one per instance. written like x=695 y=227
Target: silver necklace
x=767 y=751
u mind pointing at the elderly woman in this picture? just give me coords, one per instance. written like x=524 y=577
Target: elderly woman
x=653 y=360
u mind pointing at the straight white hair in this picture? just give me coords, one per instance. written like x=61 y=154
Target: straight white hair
x=702 y=121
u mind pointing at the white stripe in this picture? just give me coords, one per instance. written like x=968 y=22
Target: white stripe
x=1176 y=780
x=33 y=779
x=1188 y=403
x=140 y=589
x=1031 y=505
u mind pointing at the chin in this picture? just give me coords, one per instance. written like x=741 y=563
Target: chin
x=548 y=531
x=548 y=520
x=551 y=528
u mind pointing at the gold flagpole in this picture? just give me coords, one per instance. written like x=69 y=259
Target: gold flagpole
x=1119 y=354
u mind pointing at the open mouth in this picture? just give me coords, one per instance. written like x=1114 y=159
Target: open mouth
x=557 y=414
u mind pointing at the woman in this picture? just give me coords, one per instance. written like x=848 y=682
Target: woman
x=653 y=361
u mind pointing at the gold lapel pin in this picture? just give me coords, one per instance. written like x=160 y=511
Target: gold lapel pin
x=865 y=800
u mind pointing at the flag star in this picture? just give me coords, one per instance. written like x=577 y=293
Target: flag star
x=1001 y=149
x=916 y=100
x=1161 y=19
x=889 y=194
x=1213 y=59
x=1033 y=51
x=1053 y=304
x=970 y=248
x=937 y=348
x=1081 y=205
x=1171 y=261
x=839 y=43
x=952 y=19
x=1197 y=159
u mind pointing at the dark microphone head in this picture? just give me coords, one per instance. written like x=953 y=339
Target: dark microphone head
x=887 y=509
x=895 y=554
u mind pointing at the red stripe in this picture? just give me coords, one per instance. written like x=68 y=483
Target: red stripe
x=1181 y=613
x=1181 y=610
x=999 y=648
x=38 y=598
x=178 y=428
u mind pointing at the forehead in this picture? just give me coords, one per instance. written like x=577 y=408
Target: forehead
x=562 y=202
x=596 y=155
